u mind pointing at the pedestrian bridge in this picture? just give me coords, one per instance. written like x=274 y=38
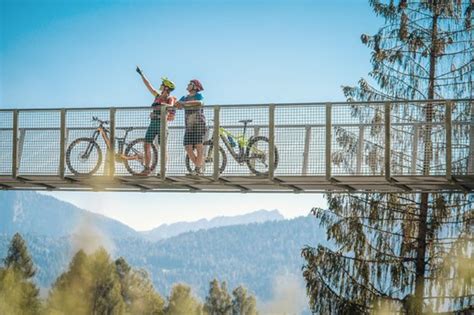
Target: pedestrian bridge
x=395 y=146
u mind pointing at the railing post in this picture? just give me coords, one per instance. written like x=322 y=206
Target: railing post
x=215 y=143
x=360 y=150
x=15 y=144
x=328 y=140
x=163 y=141
x=307 y=142
x=271 y=142
x=62 y=143
x=112 y=143
x=470 y=162
x=448 y=127
x=387 y=156
x=414 y=149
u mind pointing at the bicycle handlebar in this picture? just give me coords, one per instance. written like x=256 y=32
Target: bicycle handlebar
x=102 y=122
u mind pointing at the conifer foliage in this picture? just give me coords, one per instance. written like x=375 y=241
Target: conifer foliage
x=404 y=252
x=18 y=293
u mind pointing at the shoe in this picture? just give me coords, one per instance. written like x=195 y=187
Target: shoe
x=192 y=173
x=199 y=171
x=146 y=171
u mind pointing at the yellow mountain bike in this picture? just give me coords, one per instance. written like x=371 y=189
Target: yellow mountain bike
x=253 y=151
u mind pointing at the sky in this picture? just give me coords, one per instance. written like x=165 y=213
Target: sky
x=81 y=53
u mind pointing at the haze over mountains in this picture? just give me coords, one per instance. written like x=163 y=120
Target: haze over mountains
x=33 y=213
x=255 y=249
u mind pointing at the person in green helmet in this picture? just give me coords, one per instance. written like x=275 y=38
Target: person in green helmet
x=162 y=98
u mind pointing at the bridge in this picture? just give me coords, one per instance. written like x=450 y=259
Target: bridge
x=393 y=146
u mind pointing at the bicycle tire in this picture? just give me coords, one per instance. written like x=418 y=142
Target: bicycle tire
x=137 y=168
x=249 y=158
x=94 y=167
x=210 y=159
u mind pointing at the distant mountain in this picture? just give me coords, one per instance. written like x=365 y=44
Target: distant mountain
x=253 y=255
x=167 y=231
x=33 y=213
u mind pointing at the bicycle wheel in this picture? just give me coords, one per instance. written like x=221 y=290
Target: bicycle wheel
x=209 y=159
x=135 y=156
x=257 y=155
x=83 y=156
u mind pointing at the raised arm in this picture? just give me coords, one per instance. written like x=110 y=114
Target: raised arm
x=147 y=83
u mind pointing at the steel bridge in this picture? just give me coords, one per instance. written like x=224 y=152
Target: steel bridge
x=395 y=146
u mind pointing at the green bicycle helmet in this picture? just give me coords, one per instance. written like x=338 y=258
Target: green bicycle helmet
x=168 y=83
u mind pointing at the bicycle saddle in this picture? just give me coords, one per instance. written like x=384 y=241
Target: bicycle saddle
x=245 y=121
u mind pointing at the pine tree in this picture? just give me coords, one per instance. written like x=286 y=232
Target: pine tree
x=90 y=286
x=19 y=259
x=182 y=302
x=218 y=301
x=18 y=293
x=404 y=252
x=137 y=290
x=242 y=303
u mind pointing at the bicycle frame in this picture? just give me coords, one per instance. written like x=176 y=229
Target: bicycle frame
x=121 y=142
x=242 y=142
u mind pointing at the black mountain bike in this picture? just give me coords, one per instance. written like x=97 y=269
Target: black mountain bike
x=84 y=155
x=253 y=151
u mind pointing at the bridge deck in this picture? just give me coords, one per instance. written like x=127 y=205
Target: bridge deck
x=360 y=147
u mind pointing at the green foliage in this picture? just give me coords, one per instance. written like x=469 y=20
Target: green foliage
x=18 y=258
x=218 y=301
x=402 y=252
x=182 y=302
x=137 y=290
x=90 y=286
x=242 y=303
x=18 y=294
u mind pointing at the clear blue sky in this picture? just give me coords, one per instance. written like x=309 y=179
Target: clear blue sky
x=80 y=53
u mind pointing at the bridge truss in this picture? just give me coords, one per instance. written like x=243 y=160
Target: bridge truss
x=322 y=147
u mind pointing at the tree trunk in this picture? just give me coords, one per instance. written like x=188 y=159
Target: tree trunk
x=420 y=267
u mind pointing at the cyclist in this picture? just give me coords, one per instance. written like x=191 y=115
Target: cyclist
x=162 y=98
x=195 y=123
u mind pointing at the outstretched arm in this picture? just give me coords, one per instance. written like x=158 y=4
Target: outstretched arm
x=147 y=83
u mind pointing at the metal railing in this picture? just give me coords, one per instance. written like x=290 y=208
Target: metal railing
x=405 y=138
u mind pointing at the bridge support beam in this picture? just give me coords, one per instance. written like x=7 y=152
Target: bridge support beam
x=15 y=145
x=163 y=141
x=449 y=143
x=111 y=155
x=307 y=142
x=328 y=141
x=387 y=155
x=271 y=142
x=62 y=143
x=215 y=143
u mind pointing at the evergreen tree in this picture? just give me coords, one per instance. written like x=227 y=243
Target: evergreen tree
x=182 y=302
x=218 y=301
x=90 y=286
x=137 y=290
x=18 y=294
x=405 y=251
x=242 y=303
x=19 y=259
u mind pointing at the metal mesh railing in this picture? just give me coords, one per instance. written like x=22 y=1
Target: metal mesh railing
x=69 y=142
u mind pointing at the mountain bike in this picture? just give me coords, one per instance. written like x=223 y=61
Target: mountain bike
x=84 y=155
x=253 y=151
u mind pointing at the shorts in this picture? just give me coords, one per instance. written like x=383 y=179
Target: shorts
x=195 y=134
x=153 y=131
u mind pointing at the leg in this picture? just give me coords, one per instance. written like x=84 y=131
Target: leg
x=190 y=151
x=200 y=155
x=147 y=155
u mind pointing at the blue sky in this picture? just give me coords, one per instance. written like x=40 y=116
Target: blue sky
x=81 y=53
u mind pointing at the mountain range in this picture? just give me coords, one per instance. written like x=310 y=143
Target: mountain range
x=254 y=249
